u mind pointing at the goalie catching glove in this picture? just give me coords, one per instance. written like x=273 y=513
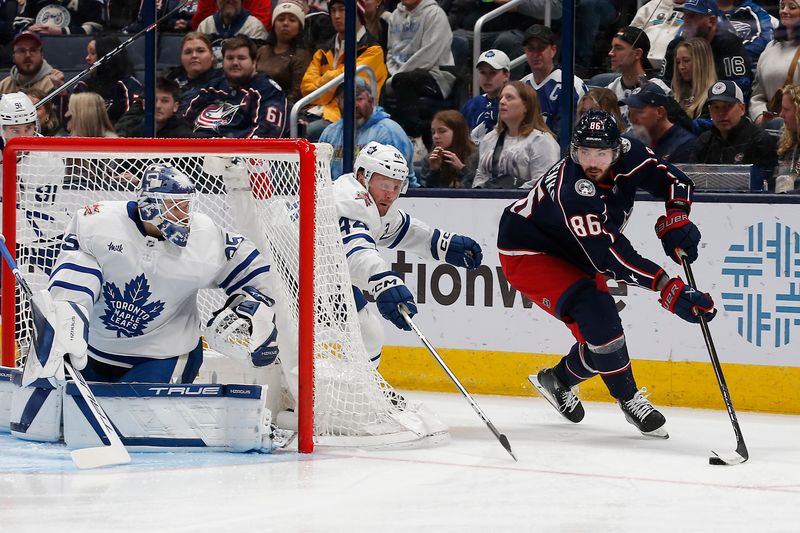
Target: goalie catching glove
x=686 y=302
x=678 y=233
x=245 y=328
x=389 y=292
x=457 y=250
x=62 y=329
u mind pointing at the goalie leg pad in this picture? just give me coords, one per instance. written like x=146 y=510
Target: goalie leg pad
x=371 y=334
x=169 y=417
x=35 y=410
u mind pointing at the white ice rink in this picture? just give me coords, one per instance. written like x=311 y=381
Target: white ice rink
x=599 y=475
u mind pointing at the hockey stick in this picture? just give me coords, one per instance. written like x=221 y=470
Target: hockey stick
x=500 y=437
x=740 y=455
x=80 y=75
x=112 y=454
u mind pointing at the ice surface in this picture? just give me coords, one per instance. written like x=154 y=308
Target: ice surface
x=599 y=475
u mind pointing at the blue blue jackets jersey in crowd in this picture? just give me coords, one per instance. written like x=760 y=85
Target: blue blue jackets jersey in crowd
x=379 y=127
x=257 y=109
x=569 y=216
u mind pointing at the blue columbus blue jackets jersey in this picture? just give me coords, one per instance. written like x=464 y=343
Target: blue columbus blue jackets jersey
x=568 y=215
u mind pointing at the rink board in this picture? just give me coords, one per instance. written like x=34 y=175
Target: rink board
x=749 y=262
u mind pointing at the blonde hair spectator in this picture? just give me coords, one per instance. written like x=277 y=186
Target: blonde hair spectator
x=87 y=116
x=693 y=74
x=788 y=172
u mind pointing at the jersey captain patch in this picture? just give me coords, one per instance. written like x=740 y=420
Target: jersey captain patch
x=584 y=187
x=129 y=313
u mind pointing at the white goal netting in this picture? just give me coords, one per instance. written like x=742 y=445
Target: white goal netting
x=257 y=195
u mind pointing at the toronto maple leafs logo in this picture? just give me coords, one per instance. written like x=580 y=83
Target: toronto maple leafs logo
x=129 y=313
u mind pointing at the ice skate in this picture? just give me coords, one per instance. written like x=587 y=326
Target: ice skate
x=559 y=395
x=641 y=413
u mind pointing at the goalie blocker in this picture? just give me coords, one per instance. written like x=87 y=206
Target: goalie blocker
x=147 y=416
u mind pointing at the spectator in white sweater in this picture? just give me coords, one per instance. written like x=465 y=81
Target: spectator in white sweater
x=780 y=55
x=521 y=148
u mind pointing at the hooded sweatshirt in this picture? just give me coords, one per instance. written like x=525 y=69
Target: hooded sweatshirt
x=41 y=80
x=421 y=38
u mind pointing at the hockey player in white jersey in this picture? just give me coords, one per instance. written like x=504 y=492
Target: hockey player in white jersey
x=368 y=218
x=128 y=276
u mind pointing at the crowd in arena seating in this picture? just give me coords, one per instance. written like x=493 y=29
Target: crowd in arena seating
x=699 y=81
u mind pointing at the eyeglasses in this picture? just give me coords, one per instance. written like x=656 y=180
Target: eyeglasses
x=25 y=51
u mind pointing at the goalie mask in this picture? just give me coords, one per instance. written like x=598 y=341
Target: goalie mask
x=16 y=109
x=596 y=129
x=377 y=158
x=166 y=197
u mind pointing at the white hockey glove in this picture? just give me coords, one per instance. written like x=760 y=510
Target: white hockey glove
x=232 y=169
x=245 y=328
x=62 y=328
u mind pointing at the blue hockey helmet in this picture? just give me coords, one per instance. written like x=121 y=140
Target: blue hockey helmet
x=165 y=200
x=596 y=129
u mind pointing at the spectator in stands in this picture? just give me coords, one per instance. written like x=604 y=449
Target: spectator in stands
x=778 y=64
x=628 y=54
x=480 y=112
x=169 y=124
x=788 y=172
x=661 y=22
x=694 y=74
x=734 y=139
x=376 y=20
x=48 y=120
x=751 y=23
x=603 y=99
x=651 y=125
x=285 y=57
x=328 y=62
x=180 y=21
x=229 y=20
x=52 y=17
x=87 y=117
x=419 y=44
x=31 y=70
x=731 y=61
x=114 y=79
x=454 y=158
x=521 y=148
x=258 y=8
x=197 y=68
x=243 y=103
x=541 y=48
x=372 y=124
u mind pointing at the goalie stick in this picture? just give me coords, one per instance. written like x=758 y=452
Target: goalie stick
x=500 y=437
x=112 y=454
x=100 y=61
x=740 y=455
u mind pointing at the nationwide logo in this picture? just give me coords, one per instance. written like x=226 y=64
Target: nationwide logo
x=129 y=312
x=763 y=277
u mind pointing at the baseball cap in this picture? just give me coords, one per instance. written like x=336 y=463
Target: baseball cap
x=496 y=59
x=649 y=94
x=27 y=35
x=289 y=7
x=541 y=32
x=361 y=85
x=704 y=7
x=725 y=91
x=635 y=37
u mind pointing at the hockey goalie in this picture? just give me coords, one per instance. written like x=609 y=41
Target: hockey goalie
x=121 y=305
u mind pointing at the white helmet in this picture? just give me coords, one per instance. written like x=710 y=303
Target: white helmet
x=382 y=159
x=15 y=109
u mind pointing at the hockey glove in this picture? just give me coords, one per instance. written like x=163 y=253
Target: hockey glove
x=457 y=250
x=686 y=302
x=677 y=233
x=389 y=292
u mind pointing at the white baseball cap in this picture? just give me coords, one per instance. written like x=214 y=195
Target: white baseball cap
x=497 y=59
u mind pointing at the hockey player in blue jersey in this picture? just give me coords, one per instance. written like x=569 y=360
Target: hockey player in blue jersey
x=558 y=245
x=122 y=296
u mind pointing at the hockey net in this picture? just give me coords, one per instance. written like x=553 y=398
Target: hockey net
x=277 y=193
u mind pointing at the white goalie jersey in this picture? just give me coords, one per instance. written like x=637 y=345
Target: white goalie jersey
x=142 y=291
x=363 y=230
